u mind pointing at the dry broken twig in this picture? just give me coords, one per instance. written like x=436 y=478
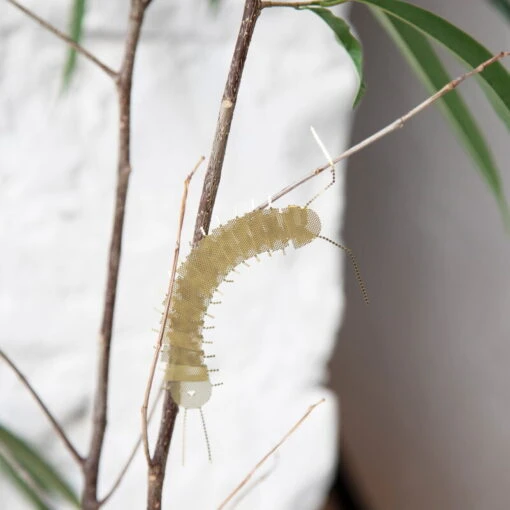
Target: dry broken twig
x=166 y=312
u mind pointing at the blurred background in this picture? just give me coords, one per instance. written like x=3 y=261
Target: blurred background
x=423 y=375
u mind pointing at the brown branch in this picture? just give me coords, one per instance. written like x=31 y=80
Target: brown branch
x=161 y=334
x=124 y=87
x=228 y=103
x=397 y=124
x=55 y=31
x=212 y=178
x=269 y=453
x=58 y=428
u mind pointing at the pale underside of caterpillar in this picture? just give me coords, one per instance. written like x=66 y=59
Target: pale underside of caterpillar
x=198 y=277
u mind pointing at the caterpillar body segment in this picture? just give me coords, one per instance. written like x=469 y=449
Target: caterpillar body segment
x=205 y=268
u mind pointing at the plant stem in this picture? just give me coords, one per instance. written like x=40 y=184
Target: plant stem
x=252 y=9
x=124 y=80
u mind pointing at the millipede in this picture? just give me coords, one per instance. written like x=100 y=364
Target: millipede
x=206 y=267
x=211 y=260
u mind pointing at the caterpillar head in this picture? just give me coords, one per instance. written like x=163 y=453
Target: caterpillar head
x=190 y=394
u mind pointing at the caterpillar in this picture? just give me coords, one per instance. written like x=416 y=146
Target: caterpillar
x=206 y=267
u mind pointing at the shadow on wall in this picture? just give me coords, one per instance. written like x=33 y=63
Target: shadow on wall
x=422 y=373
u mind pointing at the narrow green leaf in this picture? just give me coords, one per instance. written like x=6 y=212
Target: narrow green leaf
x=348 y=41
x=42 y=474
x=427 y=65
x=503 y=7
x=75 y=32
x=23 y=487
x=331 y=3
x=496 y=78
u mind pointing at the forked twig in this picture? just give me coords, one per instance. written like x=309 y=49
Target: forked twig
x=55 y=31
x=269 y=453
x=124 y=83
x=165 y=314
x=58 y=428
x=390 y=128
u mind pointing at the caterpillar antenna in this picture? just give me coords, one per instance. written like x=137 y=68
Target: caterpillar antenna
x=354 y=262
x=206 y=436
x=184 y=436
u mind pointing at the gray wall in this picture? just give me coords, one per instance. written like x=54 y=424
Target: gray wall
x=423 y=373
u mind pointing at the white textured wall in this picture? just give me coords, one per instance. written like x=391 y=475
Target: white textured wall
x=274 y=331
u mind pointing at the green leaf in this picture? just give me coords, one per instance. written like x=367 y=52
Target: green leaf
x=40 y=472
x=422 y=57
x=76 y=30
x=24 y=488
x=348 y=41
x=496 y=78
x=331 y=3
x=503 y=7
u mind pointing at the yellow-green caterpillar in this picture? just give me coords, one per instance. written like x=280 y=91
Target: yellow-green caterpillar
x=205 y=268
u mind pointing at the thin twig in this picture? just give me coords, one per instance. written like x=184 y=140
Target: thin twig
x=124 y=88
x=388 y=129
x=257 y=482
x=131 y=457
x=166 y=312
x=251 y=12
x=55 y=31
x=269 y=453
x=58 y=428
